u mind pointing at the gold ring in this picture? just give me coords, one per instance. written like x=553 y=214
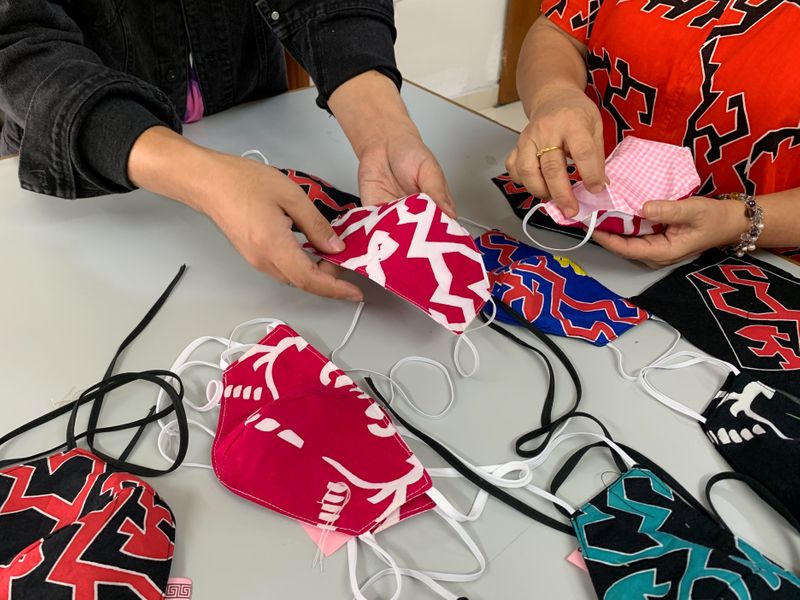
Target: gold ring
x=539 y=153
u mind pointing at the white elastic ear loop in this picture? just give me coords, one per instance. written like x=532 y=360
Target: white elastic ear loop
x=590 y=230
x=620 y=358
x=257 y=153
x=352 y=563
x=393 y=385
x=561 y=438
x=431 y=578
x=171 y=430
x=235 y=347
x=665 y=363
x=476 y=357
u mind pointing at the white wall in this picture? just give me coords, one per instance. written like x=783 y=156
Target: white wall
x=452 y=47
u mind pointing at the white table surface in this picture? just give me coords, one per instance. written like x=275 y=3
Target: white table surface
x=78 y=275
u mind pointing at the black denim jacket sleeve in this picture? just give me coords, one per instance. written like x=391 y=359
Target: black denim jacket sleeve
x=50 y=83
x=335 y=40
x=80 y=118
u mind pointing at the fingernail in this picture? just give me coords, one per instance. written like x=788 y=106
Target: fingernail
x=597 y=188
x=356 y=297
x=570 y=212
x=651 y=211
x=336 y=243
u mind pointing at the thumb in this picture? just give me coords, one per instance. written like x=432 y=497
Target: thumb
x=668 y=212
x=433 y=183
x=311 y=222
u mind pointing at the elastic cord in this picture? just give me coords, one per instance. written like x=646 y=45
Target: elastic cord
x=431 y=578
x=97 y=405
x=475 y=478
x=648 y=464
x=393 y=384
x=256 y=153
x=547 y=423
x=759 y=488
x=589 y=231
x=666 y=363
x=619 y=357
x=497 y=474
x=352 y=563
x=476 y=358
x=168 y=381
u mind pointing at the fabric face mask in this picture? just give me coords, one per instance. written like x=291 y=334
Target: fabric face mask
x=755 y=428
x=555 y=295
x=638 y=170
x=80 y=523
x=741 y=310
x=644 y=536
x=63 y=519
x=413 y=249
x=296 y=435
x=249 y=396
x=328 y=200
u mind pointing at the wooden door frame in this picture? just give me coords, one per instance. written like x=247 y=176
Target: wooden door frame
x=520 y=15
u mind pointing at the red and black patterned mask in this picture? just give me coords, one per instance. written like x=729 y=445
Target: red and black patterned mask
x=741 y=310
x=80 y=524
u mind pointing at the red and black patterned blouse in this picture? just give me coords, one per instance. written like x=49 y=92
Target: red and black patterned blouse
x=717 y=76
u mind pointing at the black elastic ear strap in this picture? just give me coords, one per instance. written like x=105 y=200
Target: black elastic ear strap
x=451 y=459
x=160 y=378
x=572 y=462
x=759 y=488
x=645 y=462
x=547 y=422
x=94 y=414
x=549 y=399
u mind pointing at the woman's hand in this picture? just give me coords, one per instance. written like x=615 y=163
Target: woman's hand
x=393 y=160
x=693 y=225
x=563 y=117
x=254 y=205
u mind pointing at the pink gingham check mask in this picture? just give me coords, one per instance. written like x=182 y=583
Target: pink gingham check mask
x=638 y=170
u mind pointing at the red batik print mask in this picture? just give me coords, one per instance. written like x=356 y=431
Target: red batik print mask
x=296 y=435
x=637 y=170
x=415 y=250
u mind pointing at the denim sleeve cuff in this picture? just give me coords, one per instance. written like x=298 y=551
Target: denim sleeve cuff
x=53 y=155
x=364 y=44
x=106 y=138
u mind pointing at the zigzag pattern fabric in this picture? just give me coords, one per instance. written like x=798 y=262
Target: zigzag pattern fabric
x=415 y=250
x=82 y=531
x=553 y=292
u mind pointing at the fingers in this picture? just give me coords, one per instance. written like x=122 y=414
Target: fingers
x=553 y=166
x=671 y=212
x=298 y=269
x=432 y=182
x=523 y=166
x=589 y=159
x=653 y=250
x=311 y=222
x=330 y=268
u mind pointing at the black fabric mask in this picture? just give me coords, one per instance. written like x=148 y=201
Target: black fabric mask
x=521 y=201
x=754 y=427
x=741 y=310
x=80 y=523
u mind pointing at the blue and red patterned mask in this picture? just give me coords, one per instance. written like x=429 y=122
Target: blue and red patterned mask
x=553 y=293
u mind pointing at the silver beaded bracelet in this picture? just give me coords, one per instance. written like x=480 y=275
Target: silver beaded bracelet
x=755 y=214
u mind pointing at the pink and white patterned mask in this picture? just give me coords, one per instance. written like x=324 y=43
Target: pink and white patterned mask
x=415 y=250
x=638 y=170
x=296 y=435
